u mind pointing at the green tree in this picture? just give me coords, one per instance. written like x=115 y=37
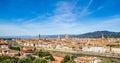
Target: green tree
x=52 y=58
x=44 y=54
x=106 y=61
x=66 y=59
x=71 y=61
x=8 y=61
x=2 y=58
x=38 y=60
x=25 y=60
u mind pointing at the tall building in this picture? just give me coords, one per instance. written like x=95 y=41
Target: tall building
x=102 y=36
x=103 y=40
x=39 y=36
x=59 y=38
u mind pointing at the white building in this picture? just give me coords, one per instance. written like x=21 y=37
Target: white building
x=94 y=49
x=115 y=50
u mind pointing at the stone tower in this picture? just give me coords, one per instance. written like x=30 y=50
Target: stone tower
x=59 y=38
x=103 y=40
x=39 y=36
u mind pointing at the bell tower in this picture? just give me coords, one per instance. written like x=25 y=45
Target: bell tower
x=59 y=38
x=103 y=40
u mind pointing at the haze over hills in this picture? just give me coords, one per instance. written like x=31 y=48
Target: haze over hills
x=96 y=34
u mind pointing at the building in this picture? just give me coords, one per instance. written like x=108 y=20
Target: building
x=94 y=49
x=67 y=36
x=59 y=38
x=87 y=60
x=27 y=51
x=39 y=36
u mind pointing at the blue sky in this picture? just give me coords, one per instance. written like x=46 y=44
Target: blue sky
x=46 y=17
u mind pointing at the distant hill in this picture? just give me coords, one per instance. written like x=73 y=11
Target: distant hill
x=96 y=34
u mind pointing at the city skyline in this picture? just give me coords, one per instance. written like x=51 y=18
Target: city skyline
x=32 y=17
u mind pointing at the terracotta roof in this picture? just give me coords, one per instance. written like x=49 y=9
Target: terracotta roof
x=27 y=49
x=3 y=43
x=58 y=59
x=12 y=51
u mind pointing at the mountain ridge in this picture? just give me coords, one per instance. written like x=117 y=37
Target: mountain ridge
x=95 y=34
x=98 y=34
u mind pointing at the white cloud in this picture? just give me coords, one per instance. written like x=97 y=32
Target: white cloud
x=105 y=24
x=62 y=17
x=85 y=10
x=8 y=29
x=62 y=21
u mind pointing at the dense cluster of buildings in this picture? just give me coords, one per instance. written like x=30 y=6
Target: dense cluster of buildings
x=99 y=45
x=67 y=44
x=5 y=50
